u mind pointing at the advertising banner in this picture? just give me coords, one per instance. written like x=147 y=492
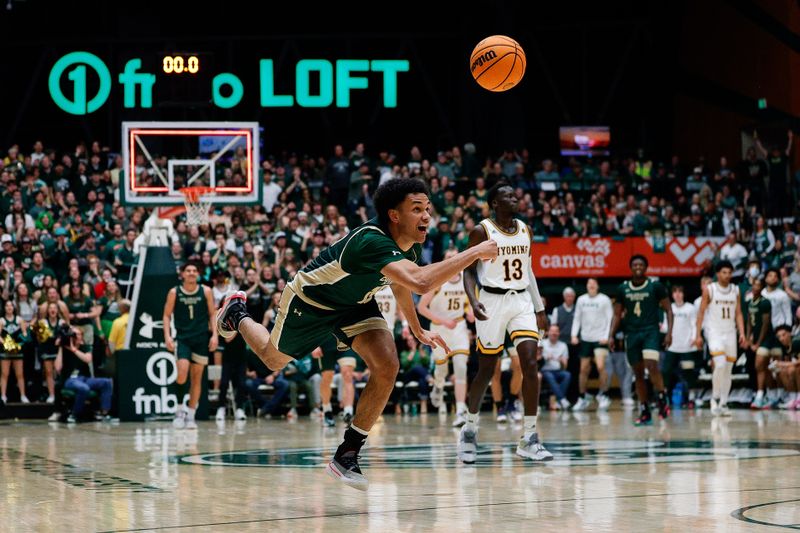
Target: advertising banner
x=564 y=257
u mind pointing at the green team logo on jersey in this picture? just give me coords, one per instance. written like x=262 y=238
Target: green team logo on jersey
x=566 y=454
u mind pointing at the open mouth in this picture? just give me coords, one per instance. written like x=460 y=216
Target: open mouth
x=422 y=229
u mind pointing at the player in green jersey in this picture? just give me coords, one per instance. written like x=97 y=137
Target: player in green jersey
x=192 y=306
x=787 y=369
x=762 y=340
x=334 y=295
x=640 y=299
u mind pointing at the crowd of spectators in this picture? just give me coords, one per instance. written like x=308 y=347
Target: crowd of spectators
x=68 y=245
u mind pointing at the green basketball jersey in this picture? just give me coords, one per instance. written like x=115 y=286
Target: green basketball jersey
x=642 y=304
x=348 y=273
x=755 y=313
x=191 y=314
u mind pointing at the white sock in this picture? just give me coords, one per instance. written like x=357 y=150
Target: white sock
x=359 y=430
x=727 y=381
x=716 y=380
x=461 y=407
x=529 y=423
x=190 y=413
x=327 y=408
x=472 y=421
x=440 y=375
x=759 y=395
x=348 y=409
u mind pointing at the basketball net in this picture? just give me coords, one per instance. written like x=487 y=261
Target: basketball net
x=197 y=201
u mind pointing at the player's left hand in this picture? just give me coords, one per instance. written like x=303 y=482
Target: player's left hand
x=667 y=340
x=213 y=343
x=541 y=321
x=742 y=341
x=432 y=339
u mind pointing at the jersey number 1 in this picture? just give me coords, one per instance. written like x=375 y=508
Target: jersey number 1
x=516 y=265
x=191 y=311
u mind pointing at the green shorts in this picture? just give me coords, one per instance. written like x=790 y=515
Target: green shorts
x=770 y=347
x=301 y=327
x=643 y=344
x=194 y=350
x=331 y=355
x=11 y=356
x=48 y=356
x=590 y=349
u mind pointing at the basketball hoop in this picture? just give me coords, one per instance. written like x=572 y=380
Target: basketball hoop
x=197 y=201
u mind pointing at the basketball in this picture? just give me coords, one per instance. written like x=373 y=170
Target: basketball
x=497 y=63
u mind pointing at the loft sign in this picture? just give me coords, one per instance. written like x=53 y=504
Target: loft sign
x=318 y=83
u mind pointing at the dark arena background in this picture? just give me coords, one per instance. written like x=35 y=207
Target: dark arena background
x=236 y=141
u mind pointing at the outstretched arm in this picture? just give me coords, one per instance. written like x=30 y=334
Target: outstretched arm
x=424 y=279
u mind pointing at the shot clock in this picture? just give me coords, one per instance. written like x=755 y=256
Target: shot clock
x=181 y=64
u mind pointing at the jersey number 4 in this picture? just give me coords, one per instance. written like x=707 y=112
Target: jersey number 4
x=637 y=309
x=513 y=269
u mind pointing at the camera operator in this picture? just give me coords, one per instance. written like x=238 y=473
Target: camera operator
x=74 y=364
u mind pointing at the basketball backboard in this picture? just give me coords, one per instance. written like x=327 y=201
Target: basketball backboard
x=161 y=158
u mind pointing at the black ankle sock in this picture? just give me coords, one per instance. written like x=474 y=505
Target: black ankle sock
x=353 y=441
x=238 y=316
x=499 y=405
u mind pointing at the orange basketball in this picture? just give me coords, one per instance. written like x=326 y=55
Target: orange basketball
x=497 y=63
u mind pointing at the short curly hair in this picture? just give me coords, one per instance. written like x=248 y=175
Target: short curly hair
x=391 y=193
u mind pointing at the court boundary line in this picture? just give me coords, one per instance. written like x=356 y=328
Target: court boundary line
x=477 y=505
x=739 y=514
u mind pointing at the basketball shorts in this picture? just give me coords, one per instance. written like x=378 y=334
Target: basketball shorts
x=301 y=327
x=194 y=349
x=511 y=312
x=590 y=349
x=770 y=347
x=643 y=344
x=457 y=339
x=723 y=343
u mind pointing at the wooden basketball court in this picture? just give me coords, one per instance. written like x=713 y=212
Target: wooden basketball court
x=693 y=473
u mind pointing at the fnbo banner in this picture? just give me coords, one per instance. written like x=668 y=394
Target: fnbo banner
x=80 y=82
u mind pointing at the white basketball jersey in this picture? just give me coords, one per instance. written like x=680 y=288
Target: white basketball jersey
x=510 y=269
x=720 y=314
x=387 y=304
x=450 y=300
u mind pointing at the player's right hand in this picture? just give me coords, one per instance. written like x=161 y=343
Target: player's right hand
x=479 y=311
x=699 y=343
x=487 y=250
x=611 y=344
x=170 y=345
x=574 y=340
x=449 y=324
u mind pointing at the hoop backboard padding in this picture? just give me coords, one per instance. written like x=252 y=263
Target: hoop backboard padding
x=161 y=158
x=197 y=202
